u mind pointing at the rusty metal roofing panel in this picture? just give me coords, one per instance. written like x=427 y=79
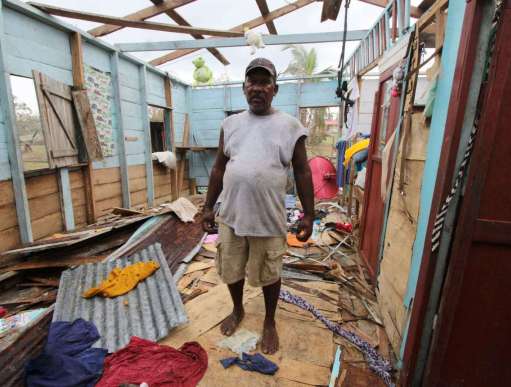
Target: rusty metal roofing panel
x=149 y=311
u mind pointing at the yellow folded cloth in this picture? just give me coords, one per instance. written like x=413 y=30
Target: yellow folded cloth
x=355 y=148
x=121 y=281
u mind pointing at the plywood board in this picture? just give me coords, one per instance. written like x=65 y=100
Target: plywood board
x=196 y=266
x=204 y=312
x=41 y=185
x=107 y=175
x=6 y=192
x=302 y=372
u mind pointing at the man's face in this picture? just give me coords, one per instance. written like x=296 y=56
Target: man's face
x=259 y=89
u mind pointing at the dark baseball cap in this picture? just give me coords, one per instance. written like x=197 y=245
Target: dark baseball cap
x=262 y=63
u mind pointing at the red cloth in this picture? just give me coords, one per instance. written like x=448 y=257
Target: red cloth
x=157 y=365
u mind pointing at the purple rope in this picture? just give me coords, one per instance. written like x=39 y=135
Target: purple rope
x=378 y=364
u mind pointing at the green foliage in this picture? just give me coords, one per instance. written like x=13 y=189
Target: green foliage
x=304 y=62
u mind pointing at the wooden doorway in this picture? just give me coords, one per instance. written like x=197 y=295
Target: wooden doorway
x=385 y=119
x=471 y=339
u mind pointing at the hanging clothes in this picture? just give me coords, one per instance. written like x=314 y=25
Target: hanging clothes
x=143 y=361
x=67 y=359
x=352 y=116
x=379 y=365
x=355 y=148
x=341 y=170
x=121 y=281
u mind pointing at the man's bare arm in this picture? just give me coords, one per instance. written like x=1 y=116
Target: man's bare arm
x=215 y=185
x=303 y=178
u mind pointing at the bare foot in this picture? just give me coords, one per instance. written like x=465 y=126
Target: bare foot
x=231 y=322
x=270 y=341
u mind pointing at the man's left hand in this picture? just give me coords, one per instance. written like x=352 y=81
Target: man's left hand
x=304 y=229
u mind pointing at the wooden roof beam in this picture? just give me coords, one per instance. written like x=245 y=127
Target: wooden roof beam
x=73 y=14
x=239 y=28
x=414 y=11
x=182 y=22
x=142 y=14
x=263 y=7
x=269 y=40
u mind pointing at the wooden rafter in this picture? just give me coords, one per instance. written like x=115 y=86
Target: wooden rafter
x=263 y=7
x=313 y=37
x=132 y=23
x=249 y=24
x=182 y=22
x=414 y=11
x=142 y=14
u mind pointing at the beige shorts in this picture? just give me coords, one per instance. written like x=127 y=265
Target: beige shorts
x=257 y=258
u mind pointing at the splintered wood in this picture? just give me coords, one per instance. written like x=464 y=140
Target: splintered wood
x=342 y=293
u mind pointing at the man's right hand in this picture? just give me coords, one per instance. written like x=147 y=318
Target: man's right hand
x=208 y=220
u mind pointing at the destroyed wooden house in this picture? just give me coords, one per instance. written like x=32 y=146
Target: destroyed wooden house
x=404 y=289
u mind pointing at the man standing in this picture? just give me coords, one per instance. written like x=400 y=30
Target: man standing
x=255 y=151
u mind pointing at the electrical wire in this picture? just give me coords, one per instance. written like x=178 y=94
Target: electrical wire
x=339 y=90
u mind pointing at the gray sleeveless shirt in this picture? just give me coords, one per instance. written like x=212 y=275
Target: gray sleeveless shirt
x=260 y=150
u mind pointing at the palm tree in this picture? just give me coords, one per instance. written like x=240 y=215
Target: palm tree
x=304 y=64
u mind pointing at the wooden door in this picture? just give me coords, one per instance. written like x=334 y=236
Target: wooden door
x=472 y=336
x=385 y=118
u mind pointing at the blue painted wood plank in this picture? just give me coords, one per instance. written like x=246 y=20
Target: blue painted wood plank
x=5 y=170
x=65 y=199
x=23 y=67
x=130 y=95
x=33 y=51
x=147 y=139
x=199 y=115
x=107 y=162
x=156 y=100
x=155 y=83
x=16 y=163
x=123 y=161
x=20 y=25
x=96 y=57
x=136 y=159
x=131 y=110
x=314 y=37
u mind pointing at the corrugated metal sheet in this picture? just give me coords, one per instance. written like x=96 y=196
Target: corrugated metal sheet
x=152 y=309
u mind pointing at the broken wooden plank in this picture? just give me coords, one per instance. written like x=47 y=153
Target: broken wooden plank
x=249 y=24
x=125 y=211
x=263 y=8
x=197 y=266
x=205 y=312
x=141 y=14
x=172 y=13
x=123 y=22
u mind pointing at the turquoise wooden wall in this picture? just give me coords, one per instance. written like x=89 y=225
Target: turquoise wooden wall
x=31 y=44
x=209 y=106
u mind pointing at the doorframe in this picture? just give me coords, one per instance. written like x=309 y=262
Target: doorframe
x=375 y=126
x=412 y=369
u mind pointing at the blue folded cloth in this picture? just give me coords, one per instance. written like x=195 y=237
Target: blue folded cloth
x=68 y=359
x=249 y=362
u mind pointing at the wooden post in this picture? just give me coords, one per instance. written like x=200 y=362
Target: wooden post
x=147 y=132
x=79 y=83
x=123 y=160
x=13 y=145
x=169 y=132
x=182 y=161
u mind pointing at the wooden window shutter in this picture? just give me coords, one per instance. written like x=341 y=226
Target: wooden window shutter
x=58 y=120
